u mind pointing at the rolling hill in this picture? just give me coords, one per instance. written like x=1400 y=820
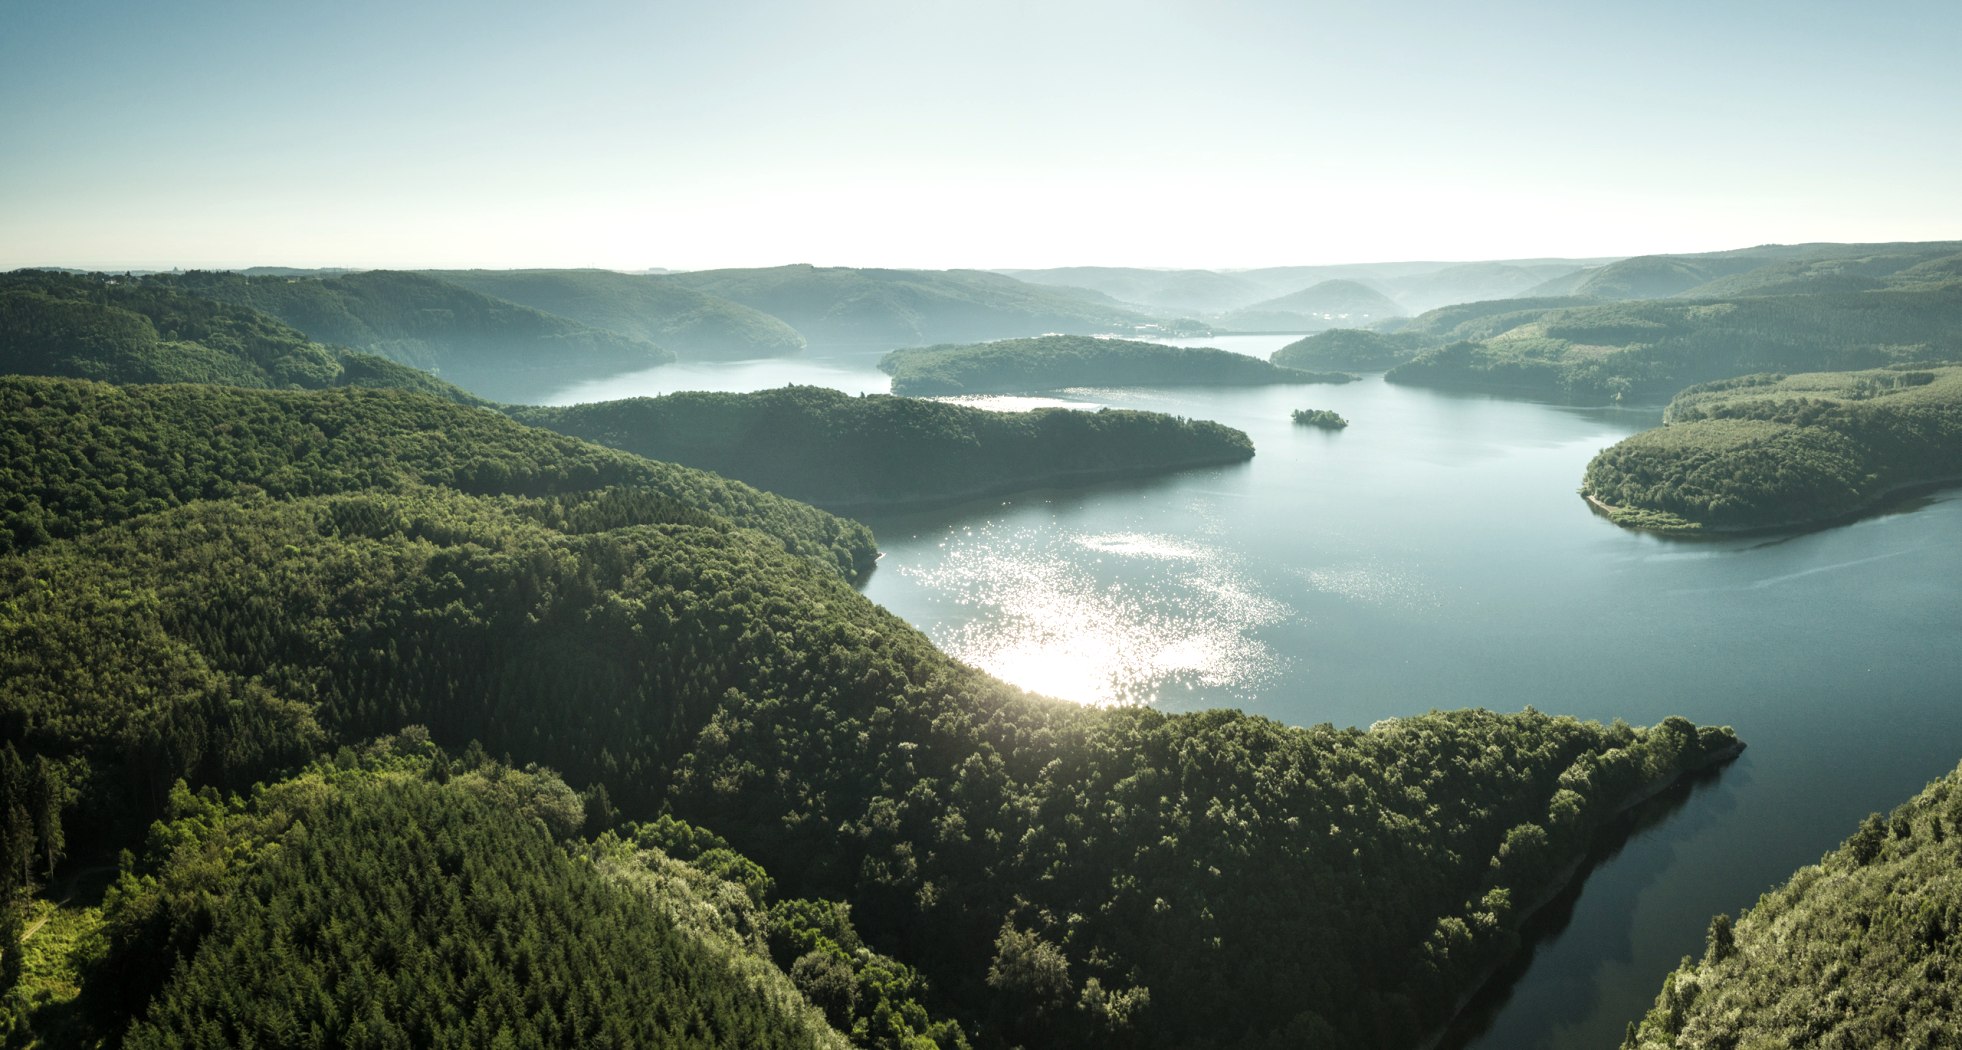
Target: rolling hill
x=841 y=452
x=123 y=329
x=1329 y=304
x=695 y=325
x=884 y=309
x=1054 y=362
x=490 y=347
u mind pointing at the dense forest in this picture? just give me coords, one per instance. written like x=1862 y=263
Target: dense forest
x=79 y=455
x=1858 y=950
x=695 y=325
x=1080 y=874
x=1052 y=362
x=491 y=347
x=886 y=308
x=1770 y=450
x=838 y=451
x=141 y=330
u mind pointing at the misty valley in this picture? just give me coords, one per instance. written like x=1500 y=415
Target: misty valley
x=1372 y=655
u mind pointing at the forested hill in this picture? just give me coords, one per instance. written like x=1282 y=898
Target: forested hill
x=1059 y=874
x=398 y=897
x=1766 y=451
x=1652 y=348
x=838 y=451
x=887 y=308
x=1348 y=349
x=1056 y=361
x=1858 y=950
x=695 y=325
x=79 y=455
x=145 y=330
x=491 y=347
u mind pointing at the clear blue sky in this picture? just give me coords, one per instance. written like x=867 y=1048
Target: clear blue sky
x=929 y=133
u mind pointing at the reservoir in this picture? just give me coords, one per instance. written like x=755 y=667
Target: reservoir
x=1435 y=554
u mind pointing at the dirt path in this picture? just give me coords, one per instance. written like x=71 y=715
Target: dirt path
x=69 y=885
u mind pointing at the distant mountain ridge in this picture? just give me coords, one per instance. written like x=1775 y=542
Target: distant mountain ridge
x=149 y=330
x=695 y=325
x=885 y=309
x=492 y=347
x=1330 y=304
x=1414 y=286
x=1745 y=271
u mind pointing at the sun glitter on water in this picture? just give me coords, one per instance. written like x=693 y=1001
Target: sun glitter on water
x=1143 y=616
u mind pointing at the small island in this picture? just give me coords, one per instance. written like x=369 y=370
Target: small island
x=1319 y=417
x=838 y=451
x=1774 y=451
x=1051 y=362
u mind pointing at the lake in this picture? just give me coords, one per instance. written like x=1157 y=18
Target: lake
x=1436 y=555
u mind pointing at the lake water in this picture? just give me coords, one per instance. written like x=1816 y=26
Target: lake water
x=1435 y=555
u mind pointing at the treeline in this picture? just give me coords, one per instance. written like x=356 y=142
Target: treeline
x=80 y=455
x=1055 y=361
x=140 y=330
x=1857 y=950
x=483 y=344
x=1770 y=450
x=834 y=450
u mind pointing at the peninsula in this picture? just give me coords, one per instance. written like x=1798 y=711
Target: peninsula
x=1053 y=362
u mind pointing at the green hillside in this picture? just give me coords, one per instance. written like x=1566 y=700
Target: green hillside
x=834 y=450
x=1652 y=348
x=1770 y=450
x=396 y=897
x=695 y=325
x=1857 y=950
x=889 y=308
x=1054 y=362
x=145 y=330
x=491 y=347
x=80 y=455
x=1055 y=873
x=1349 y=350
x=1747 y=271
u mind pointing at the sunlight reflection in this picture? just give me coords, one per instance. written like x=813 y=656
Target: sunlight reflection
x=1121 y=629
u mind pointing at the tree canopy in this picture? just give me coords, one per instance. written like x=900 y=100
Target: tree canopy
x=838 y=451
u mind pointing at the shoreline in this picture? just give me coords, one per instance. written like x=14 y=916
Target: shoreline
x=1107 y=382
x=1565 y=879
x=1058 y=479
x=1866 y=506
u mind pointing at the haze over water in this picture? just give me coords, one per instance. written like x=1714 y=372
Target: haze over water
x=1435 y=555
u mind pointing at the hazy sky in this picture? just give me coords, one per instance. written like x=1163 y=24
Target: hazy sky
x=926 y=133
